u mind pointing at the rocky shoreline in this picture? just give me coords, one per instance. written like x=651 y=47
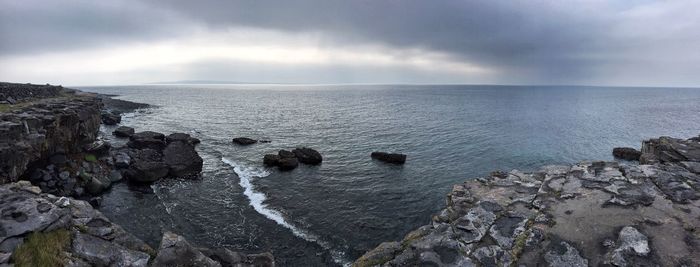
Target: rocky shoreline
x=586 y=214
x=54 y=166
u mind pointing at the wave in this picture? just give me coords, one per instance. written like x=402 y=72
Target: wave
x=257 y=200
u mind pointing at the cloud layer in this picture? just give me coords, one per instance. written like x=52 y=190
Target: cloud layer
x=332 y=41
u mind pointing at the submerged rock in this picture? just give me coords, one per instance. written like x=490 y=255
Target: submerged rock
x=123 y=131
x=626 y=153
x=244 y=141
x=389 y=157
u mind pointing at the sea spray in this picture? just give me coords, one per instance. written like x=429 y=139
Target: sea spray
x=257 y=201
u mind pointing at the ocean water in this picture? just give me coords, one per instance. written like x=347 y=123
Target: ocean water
x=332 y=213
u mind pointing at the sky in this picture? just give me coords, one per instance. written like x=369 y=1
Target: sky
x=547 y=42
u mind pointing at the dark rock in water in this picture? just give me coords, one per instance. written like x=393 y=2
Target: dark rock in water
x=181 y=137
x=109 y=118
x=98 y=147
x=265 y=141
x=286 y=154
x=244 y=141
x=287 y=164
x=308 y=156
x=98 y=184
x=121 y=160
x=271 y=160
x=123 y=131
x=147 y=139
x=182 y=159
x=626 y=153
x=227 y=257
x=147 y=166
x=389 y=157
x=176 y=251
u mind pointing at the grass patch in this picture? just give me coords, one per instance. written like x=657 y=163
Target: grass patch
x=5 y=107
x=90 y=158
x=42 y=249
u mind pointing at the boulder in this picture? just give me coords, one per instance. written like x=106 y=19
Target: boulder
x=626 y=153
x=182 y=159
x=389 y=157
x=121 y=160
x=271 y=160
x=308 y=156
x=227 y=257
x=109 y=118
x=286 y=154
x=287 y=164
x=181 y=137
x=123 y=131
x=174 y=250
x=147 y=139
x=244 y=141
x=99 y=252
x=98 y=147
x=147 y=166
x=98 y=184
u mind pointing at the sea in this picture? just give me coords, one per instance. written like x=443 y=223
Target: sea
x=330 y=214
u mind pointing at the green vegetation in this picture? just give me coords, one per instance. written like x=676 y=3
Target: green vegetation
x=42 y=249
x=90 y=158
x=5 y=107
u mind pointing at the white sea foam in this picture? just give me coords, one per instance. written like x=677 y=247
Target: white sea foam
x=257 y=200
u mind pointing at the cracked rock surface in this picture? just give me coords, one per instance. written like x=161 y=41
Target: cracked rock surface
x=585 y=214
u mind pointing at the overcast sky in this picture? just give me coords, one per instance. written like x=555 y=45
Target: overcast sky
x=626 y=42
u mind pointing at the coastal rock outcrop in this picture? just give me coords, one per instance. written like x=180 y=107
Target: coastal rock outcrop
x=111 y=118
x=123 y=131
x=154 y=156
x=585 y=214
x=308 y=156
x=626 y=153
x=389 y=157
x=182 y=159
x=147 y=139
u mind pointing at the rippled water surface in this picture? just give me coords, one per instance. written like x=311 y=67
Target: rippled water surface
x=330 y=214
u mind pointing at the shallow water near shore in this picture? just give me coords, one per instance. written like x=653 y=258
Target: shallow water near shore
x=330 y=214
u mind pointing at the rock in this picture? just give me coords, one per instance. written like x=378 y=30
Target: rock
x=123 y=131
x=62 y=202
x=381 y=254
x=632 y=243
x=109 y=118
x=286 y=154
x=389 y=157
x=271 y=160
x=147 y=166
x=95 y=202
x=230 y=258
x=122 y=160
x=147 y=139
x=626 y=153
x=58 y=159
x=565 y=256
x=176 y=251
x=99 y=252
x=181 y=137
x=308 y=156
x=98 y=147
x=182 y=159
x=244 y=141
x=287 y=164
x=98 y=184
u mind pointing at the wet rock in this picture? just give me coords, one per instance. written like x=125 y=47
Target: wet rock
x=146 y=171
x=147 y=139
x=109 y=118
x=244 y=141
x=176 y=251
x=381 y=254
x=123 y=131
x=626 y=153
x=286 y=154
x=181 y=137
x=308 y=156
x=287 y=164
x=122 y=160
x=98 y=147
x=632 y=244
x=389 y=157
x=271 y=160
x=182 y=159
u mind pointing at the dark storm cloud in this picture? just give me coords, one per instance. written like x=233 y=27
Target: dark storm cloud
x=526 y=41
x=31 y=26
